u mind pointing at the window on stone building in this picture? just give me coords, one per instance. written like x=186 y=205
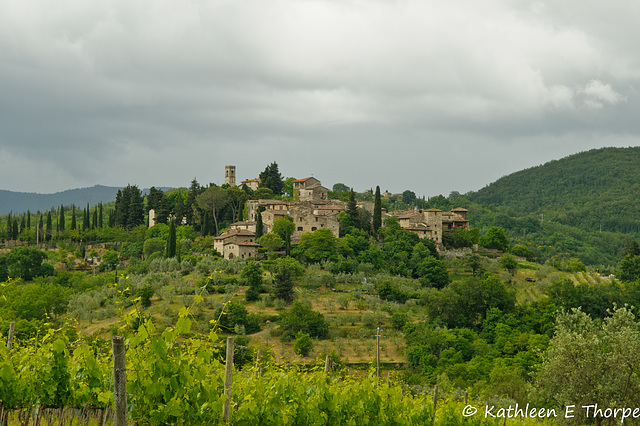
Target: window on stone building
x=313 y=228
x=299 y=228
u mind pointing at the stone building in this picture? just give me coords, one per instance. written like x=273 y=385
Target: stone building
x=230 y=175
x=234 y=241
x=244 y=225
x=305 y=219
x=309 y=189
x=251 y=183
x=430 y=223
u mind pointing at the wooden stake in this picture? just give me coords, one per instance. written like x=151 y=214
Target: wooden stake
x=327 y=366
x=228 y=377
x=435 y=403
x=12 y=328
x=120 y=416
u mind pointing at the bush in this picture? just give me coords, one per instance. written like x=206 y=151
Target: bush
x=145 y=293
x=303 y=344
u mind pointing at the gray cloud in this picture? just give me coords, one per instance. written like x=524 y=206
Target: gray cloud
x=422 y=95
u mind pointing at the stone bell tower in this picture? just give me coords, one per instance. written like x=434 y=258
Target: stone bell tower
x=230 y=175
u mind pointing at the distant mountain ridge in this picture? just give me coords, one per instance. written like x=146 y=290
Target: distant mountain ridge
x=592 y=190
x=19 y=202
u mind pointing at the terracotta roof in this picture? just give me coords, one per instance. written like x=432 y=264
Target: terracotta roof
x=459 y=209
x=244 y=222
x=433 y=210
x=251 y=180
x=232 y=232
x=303 y=180
x=243 y=243
x=330 y=207
x=317 y=185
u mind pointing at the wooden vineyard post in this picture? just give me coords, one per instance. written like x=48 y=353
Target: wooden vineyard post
x=435 y=404
x=12 y=328
x=327 y=366
x=228 y=376
x=120 y=416
x=258 y=368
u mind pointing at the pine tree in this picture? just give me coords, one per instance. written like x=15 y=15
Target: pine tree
x=171 y=240
x=194 y=191
x=271 y=178
x=129 y=211
x=377 y=210
x=61 y=220
x=157 y=200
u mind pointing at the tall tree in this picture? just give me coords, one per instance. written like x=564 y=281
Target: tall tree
x=272 y=179
x=14 y=230
x=61 y=220
x=352 y=210
x=377 y=210
x=28 y=219
x=129 y=209
x=157 y=200
x=171 y=240
x=178 y=210
x=284 y=227
x=73 y=217
x=259 y=224
x=100 y=215
x=236 y=197
x=49 y=230
x=213 y=200
x=194 y=191
x=85 y=217
x=40 y=228
x=94 y=221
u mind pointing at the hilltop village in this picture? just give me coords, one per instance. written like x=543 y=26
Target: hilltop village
x=312 y=209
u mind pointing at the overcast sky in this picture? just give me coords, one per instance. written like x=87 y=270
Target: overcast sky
x=431 y=96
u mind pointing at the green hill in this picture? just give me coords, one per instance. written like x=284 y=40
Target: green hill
x=593 y=190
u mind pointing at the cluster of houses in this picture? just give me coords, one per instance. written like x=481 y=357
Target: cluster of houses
x=312 y=209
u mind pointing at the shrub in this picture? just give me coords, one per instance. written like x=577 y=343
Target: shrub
x=303 y=344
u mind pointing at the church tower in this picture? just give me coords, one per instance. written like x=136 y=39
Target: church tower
x=230 y=175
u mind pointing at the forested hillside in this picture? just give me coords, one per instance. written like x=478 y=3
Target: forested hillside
x=20 y=202
x=593 y=190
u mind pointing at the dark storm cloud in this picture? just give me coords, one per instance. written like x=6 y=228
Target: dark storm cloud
x=363 y=92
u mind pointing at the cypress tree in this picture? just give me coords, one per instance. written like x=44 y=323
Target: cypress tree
x=28 y=219
x=94 y=223
x=61 y=221
x=85 y=218
x=49 y=229
x=171 y=241
x=259 y=225
x=352 y=210
x=100 y=223
x=377 y=211
x=14 y=231
x=73 y=217
x=178 y=211
x=23 y=224
x=40 y=227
